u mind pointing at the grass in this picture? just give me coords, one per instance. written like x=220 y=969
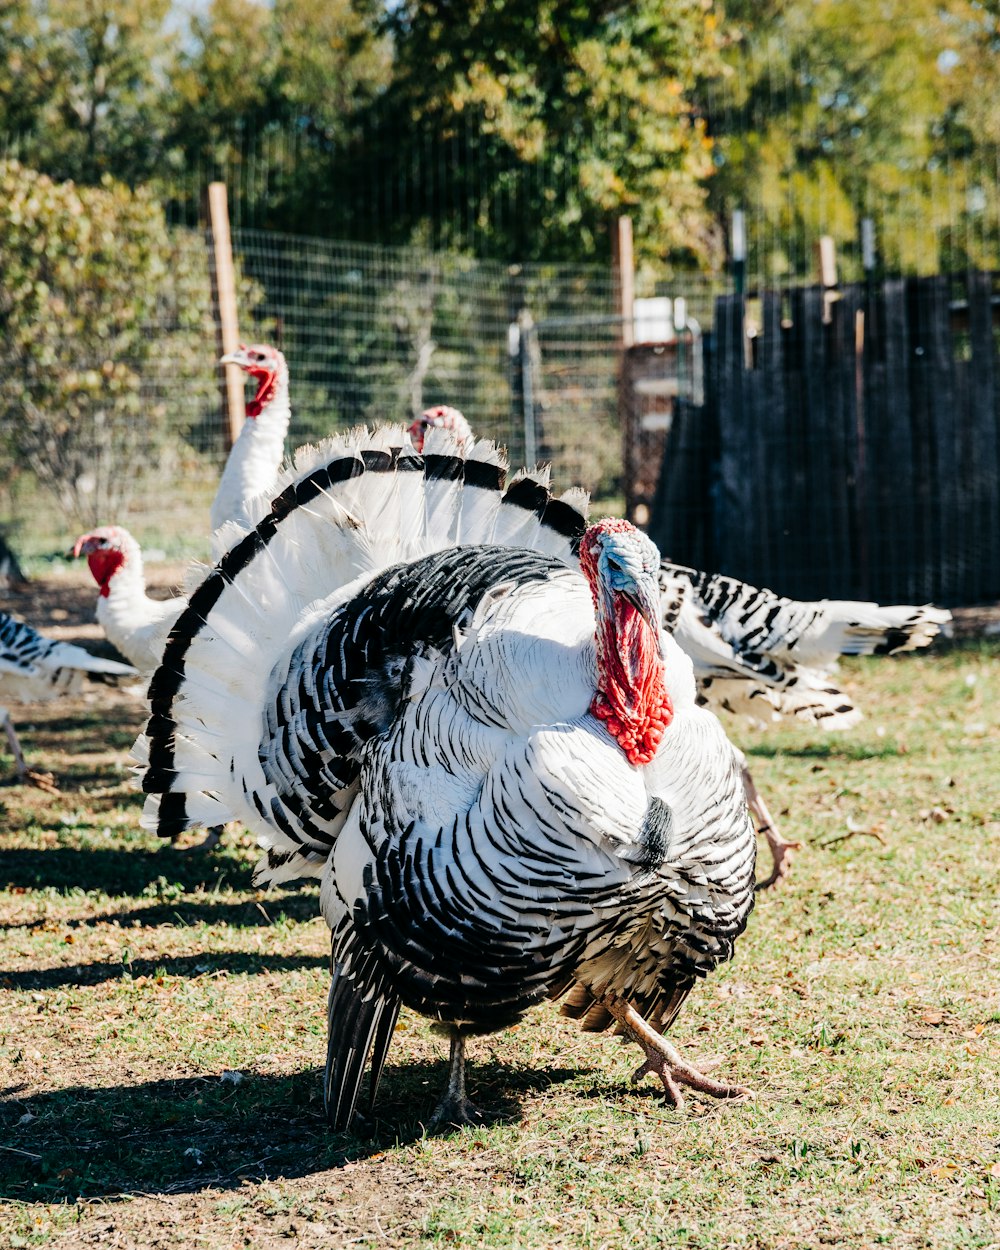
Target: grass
x=164 y=1025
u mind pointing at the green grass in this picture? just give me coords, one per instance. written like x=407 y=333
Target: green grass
x=163 y=1028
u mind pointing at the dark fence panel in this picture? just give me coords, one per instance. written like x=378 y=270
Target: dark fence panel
x=850 y=441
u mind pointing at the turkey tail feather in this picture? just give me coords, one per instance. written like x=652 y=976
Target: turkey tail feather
x=340 y=514
x=358 y=1023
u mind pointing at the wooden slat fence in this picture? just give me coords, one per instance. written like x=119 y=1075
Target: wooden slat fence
x=850 y=445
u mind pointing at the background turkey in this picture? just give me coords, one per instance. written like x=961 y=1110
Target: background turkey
x=404 y=684
x=34 y=669
x=440 y=417
x=134 y=622
x=762 y=656
x=256 y=455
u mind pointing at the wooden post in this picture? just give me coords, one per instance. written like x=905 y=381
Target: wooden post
x=827 y=250
x=224 y=284
x=623 y=270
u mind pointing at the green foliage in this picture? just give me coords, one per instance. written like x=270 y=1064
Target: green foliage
x=537 y=123
x=830 y=112
x=97 y=302
x=80 y=83
x=272 y=90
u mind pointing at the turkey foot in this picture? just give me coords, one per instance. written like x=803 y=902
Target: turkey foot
x=454 y=1109
x=781 y=851
x=664 y=1059
x=43 y=781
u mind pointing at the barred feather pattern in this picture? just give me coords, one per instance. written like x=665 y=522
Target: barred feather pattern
x=389 y=678
x=34 y=668
x=343 y=512
x=762 y=656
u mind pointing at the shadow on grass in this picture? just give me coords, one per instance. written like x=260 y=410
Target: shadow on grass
x=839 y=749
x=239 y=914
x=204 y=1133
x=234 y=962
x=115 y=871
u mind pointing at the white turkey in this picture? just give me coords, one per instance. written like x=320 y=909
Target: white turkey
x=440 y=417
x=407 y=683
x=256 y=455
x=132 y=621
x=135 y=623
x=34 y=669
x=762 y=656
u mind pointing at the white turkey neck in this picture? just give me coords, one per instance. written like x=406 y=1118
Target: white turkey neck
x=256 y=455
x=126 y=607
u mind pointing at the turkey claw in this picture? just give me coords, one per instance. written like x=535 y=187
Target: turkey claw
x=781 y=857
x=42 y=781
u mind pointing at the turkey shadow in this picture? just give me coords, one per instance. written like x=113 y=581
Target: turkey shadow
x=235 y=963
x=114 y=871
x=76 y=782
x=216 y=1132
x=244 y=913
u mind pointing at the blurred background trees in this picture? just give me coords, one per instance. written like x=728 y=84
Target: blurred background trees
x=518 y=130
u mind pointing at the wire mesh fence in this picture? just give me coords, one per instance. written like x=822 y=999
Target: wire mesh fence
x=528 y=352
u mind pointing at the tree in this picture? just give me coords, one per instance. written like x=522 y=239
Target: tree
x=528 y=126
x=830 y=111
x=79 y=84
x=97 y=305
x=273 y=88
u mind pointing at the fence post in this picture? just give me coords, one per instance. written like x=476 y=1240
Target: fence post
x=224 y=295
x=623 y=278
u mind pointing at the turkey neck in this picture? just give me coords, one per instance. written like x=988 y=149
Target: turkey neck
x=271 y=398
x=631 y=698
x=123 y=596
x=256 y=454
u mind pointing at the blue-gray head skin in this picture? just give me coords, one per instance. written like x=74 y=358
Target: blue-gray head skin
x=621 y=565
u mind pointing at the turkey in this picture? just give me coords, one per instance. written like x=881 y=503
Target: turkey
x=256 y=455
x=762 y=656
x=133 y=622
x=34 y=669
x=454 y=705
x=440 y=417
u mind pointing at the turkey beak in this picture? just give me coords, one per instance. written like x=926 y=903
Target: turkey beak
x=648 y=608
x=81 y=546
x=233 y=358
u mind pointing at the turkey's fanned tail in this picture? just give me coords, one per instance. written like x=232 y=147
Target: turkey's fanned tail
x=344 y=511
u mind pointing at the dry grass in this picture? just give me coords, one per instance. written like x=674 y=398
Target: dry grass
x=163 y=1028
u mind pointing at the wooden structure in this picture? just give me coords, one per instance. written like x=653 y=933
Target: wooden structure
x=854 y=451
x=223 y=273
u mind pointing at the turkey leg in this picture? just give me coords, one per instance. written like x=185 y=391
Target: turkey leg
x=663 y=1058
x=781 y=851
x=454 y=1107
x=44 y=781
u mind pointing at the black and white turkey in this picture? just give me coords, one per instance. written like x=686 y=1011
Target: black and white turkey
x=762 y=656
x=452 y=702
x=35 y=669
